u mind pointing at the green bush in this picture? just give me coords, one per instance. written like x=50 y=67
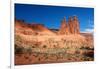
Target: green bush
x=17 y=38
x=19 y=49
x=44 y=46
x=29 y=50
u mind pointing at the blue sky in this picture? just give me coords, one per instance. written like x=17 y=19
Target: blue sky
x=51 y=16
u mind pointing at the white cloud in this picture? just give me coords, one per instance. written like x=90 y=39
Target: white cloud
x=88 y=30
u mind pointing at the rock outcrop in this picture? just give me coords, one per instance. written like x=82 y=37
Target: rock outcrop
x=64 y=27
x=70 y=27
x=31 y=29
x=76 y=25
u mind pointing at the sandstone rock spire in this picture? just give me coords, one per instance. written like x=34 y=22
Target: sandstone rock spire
x=64 y=27
x=76 y=25
x=71 y=25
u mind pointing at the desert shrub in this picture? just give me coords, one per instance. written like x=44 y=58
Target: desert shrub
x=36 y=45
x=17 y=38
x=29 y=50
x=19 y=49
x=55 y=46
x=87 y=48
x=89 y=54
x=85 y=59
x=44 y=46
x=45 y=55
x=39 y=59
x=36 y=33
x=26 y=57
x=33 y=46
x=77 y=52
x=36 y=54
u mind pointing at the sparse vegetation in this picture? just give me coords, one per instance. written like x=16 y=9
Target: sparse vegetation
x=19 y=49
x=29 y=50
x=55 y=50
x=18 y=38
x=44 y=46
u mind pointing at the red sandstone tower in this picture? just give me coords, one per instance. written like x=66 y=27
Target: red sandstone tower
x=72 y=27
x=76 y=25
x=64 y=27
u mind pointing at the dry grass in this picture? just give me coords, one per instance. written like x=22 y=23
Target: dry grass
x=48 y=49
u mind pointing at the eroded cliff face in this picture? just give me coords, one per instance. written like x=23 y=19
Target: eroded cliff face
x=76 y=25
x=34 y=43
x=67 y=27
x=70 y=27
x=31 y=29
x=64 y=27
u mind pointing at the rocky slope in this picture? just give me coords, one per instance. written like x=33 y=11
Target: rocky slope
x=34 y=43
x=31 y=29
